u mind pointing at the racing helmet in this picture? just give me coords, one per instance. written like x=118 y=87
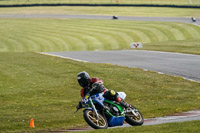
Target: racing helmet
x=83 y=79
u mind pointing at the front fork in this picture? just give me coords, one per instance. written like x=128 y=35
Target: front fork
x=132 y=110
x=95 y=111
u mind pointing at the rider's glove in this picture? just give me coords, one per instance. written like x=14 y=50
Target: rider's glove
x=95 y=85
x=79 y=106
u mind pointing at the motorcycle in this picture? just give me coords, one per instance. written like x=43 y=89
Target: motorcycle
x=101 y=113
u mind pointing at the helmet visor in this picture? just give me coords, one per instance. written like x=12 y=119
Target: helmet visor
x=83 y=82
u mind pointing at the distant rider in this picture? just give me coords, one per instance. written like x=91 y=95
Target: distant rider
x=88 y=83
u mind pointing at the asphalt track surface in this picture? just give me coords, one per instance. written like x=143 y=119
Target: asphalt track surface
x=132 y=18
x=176 y=64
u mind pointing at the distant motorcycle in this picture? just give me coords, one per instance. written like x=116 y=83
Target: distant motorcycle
x=101 y=113
x=115 y=17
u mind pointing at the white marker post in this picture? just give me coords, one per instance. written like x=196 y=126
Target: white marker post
x=136 y=45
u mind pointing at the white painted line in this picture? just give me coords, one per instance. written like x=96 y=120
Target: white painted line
x=160 y=73
x=190 y=79
x=172 y=117
x=171 y=75
x=194 y=111
x=62 y=57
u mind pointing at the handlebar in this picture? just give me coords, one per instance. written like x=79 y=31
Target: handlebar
x=88 y=94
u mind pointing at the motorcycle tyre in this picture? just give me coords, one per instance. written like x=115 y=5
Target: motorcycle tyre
x=91 y=123
x=133 y=122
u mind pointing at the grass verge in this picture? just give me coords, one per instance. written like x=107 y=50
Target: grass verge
x=182 y=127
x=120 y=11
x=186 y=46
x=45 y=88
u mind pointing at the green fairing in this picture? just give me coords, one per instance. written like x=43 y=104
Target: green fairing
x=118 y=106
x=113 y=115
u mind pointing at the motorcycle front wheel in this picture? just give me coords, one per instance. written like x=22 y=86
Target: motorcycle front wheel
x=134 y=120
x=91 y=119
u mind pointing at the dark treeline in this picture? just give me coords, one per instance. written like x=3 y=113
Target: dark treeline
x=125 y=5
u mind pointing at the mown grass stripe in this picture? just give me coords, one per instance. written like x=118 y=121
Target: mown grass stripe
x=42 y=41
x=99 y=36
x=122 y=33
x=75 y=43
x=176 y=33
x=66 y=41
x=150 y=32
x=70 y=34
x=84 y=37
x=30 y=44
x=3 y=47
x=55 y=42
x=13 y=44
x=159 y=31
x=105 y=37
x=193 y=32
x=164 y=37
x=166 y=29
x=179 y=31
x=106 y=31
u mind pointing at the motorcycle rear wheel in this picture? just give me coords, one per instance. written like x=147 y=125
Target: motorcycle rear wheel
x=90 y=118
x=133 y=120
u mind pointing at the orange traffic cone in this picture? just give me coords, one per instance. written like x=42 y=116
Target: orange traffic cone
x=32 y=123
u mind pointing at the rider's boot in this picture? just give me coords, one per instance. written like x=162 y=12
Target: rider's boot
x=123 y=103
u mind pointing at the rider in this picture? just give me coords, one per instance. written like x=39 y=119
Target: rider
x=88 y=83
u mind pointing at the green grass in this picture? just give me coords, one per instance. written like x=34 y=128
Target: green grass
x=28 y=35
x=183 y=127
x=156 y=2
x=176 y=46
x=45 y=88
x=120 y=11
